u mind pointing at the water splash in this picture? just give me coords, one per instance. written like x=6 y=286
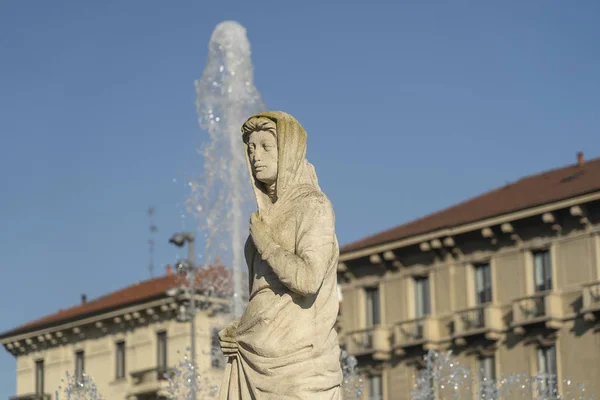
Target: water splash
x=442 y=376
x=352 y=383
x=187 y=383
x=221 y=197
x=73 y=388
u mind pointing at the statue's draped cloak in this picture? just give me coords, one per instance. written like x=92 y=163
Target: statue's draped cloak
x=287 y=344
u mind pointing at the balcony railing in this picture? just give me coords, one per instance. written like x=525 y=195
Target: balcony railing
x=32 y=396
x=487 y=319
x=591 y=299
x=150 y=375
x=375 y=340
x=152 y=381
x=411 y=332
x=552 y=308
x=530 y=309
x=470 y=319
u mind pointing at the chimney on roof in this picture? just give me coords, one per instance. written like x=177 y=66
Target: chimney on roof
x=169 y=272
x=83 y=298
x=579 y=159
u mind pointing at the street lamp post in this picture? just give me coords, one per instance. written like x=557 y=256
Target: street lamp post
x=188 y=267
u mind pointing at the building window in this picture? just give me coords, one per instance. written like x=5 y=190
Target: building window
x=39 y=377
x=547 y=370
x=79 y=365
x=120 y=360
x=161 y=350
x=375 y=387
x=216 y=356
x=422 y=299
x=542 y=264
x=373 y=314
x=483 y=284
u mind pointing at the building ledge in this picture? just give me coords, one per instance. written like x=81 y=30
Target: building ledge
x=425 y=332
x=374 y=341
x=487 y=320
x=150 y=381
x=551 y=308
x=591 y=301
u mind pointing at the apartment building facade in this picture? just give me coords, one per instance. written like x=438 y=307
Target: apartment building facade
x=127 y=341
x=509 y=281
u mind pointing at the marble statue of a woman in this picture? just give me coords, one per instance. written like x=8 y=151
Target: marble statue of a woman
x=285 y=346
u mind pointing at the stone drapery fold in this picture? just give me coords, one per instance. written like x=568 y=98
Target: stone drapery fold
x=287 y=344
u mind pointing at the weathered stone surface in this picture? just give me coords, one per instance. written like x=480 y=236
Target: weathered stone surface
x=285 y=346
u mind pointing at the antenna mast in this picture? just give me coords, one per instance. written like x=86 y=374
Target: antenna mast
x=153 y=230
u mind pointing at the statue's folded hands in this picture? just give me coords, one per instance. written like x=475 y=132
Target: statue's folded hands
x=303 y=272
x=260 y=232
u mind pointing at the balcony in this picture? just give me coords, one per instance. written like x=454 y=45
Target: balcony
x=530 y=309
x=485 y=319
x=375 y=340
x=424 y=332
x=551 y=308
x=150 y=381
x=591 y=301
x=32 y=396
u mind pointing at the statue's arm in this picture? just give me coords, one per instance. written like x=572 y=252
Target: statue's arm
x=303 y=271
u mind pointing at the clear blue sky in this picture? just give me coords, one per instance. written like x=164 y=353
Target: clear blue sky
x=410 y=107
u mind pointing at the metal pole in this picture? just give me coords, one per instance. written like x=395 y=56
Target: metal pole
x=191 y=260
x=191 y=241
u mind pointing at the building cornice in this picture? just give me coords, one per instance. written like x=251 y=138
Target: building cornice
x=443 y=235
x=134 y=315
x=473 y=259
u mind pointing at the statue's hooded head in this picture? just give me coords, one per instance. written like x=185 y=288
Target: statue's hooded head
x=275 y=145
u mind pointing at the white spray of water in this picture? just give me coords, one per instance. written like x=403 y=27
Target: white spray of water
x=442 y=376
x=221 y=198
x=77 y=388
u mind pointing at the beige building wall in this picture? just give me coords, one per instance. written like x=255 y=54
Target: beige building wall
x=460 y=287
x=141 y=354
x=445 y=291
x=579 y=354
x=573 y=330
x=509 y=276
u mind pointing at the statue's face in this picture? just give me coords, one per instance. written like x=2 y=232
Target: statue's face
x=262 y=151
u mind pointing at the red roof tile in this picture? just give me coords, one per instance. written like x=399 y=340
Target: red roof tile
x=139 y=292
x=531 y=191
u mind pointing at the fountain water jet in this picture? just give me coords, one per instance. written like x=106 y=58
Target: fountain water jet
x=221 y=198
